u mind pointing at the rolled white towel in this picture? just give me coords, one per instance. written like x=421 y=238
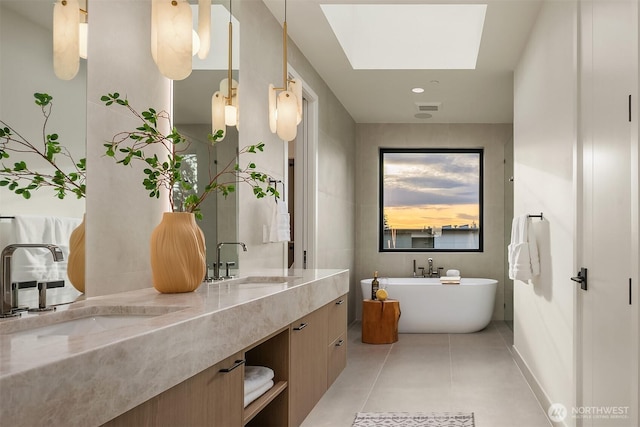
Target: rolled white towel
x=255 y=377
x=248 y=398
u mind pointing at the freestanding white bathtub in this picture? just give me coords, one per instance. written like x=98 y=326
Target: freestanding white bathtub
x=427 y=306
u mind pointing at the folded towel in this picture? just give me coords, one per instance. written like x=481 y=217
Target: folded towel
x=37 y=263
x=280 y=230
x=524 y=262
x=248 y=398
x=450 y=280
x=255 y=377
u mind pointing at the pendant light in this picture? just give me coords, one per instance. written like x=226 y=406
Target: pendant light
x=172 y=37
x=285 y=103
x=224 y=103
x=66 y=39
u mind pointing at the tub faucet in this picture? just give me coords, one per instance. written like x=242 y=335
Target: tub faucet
x=8 y=296
x=216 y=266
x=433 y=272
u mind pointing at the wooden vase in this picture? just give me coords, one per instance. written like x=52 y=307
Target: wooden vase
x=76 y=261
x=178 y=257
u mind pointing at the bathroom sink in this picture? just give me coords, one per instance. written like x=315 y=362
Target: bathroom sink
x=265 y=280
x=85 y=325
x=83 y=320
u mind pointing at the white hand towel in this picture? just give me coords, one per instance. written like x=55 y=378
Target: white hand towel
x=248 y=398
x=280 y=230
x=34 y=263
x=37 y=263
x=524 y=262
x=256 y=377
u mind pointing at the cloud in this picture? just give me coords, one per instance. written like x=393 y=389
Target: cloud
x=412 y=179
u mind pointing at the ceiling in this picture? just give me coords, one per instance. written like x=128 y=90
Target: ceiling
x=483 y=95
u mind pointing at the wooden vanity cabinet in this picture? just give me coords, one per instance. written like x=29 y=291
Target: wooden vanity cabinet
x=212 y=397
x=308 y=368
x=336 y=339
x=306 y=357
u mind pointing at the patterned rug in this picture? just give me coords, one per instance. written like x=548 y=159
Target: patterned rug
x=414 y=419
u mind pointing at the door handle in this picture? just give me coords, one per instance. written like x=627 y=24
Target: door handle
x=581 y=278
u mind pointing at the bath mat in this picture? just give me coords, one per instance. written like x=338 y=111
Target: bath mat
x=414 y=419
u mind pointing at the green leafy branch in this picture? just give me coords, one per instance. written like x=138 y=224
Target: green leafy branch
x=164 y=171
x=21 y=179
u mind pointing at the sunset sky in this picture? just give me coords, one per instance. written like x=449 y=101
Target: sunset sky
x=431 y=189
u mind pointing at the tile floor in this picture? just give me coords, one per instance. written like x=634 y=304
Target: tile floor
x=432 y=373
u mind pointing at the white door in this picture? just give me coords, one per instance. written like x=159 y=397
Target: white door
x=305 y=187
x=605 y=333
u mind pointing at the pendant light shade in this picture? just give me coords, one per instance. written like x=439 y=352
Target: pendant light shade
x=230 y=115
x=84 y=35
x=173 y=35
x=231 y=104
x=204 y=27
x=286 y=121
x=218 y=114
x=66 y=39
x=296 y=88
x=285 y=107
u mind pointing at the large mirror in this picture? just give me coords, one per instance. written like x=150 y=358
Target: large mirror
x=26 y=67
x=193 y=118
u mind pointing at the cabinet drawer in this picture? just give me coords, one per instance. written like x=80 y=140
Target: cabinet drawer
x=337 y=318
x=212 y=397
x=336 y=358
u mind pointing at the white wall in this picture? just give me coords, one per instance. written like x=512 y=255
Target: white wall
x=544 y=141
x=120 y=214
x=494 y=138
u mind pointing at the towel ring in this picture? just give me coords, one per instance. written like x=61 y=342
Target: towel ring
x=275 y=184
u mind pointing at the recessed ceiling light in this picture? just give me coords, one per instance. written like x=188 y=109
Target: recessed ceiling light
x=387 y=36
x=417 y=90
x=423 y=116
x=435 y=82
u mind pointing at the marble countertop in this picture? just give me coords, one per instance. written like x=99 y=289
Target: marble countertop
x=88 y=379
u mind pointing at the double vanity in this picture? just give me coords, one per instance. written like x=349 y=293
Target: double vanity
x=142 y=357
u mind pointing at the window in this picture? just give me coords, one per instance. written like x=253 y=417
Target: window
x=430 y=200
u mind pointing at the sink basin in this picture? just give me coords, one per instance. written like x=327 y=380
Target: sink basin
x=82 y=320
x=85 y=325
x=265 y=280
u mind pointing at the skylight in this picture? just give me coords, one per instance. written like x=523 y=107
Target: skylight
x=408 y=36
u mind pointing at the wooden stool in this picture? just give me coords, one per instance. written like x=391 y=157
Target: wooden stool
x=380 y=321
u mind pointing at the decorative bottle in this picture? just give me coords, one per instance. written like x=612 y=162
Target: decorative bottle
x=375 y=285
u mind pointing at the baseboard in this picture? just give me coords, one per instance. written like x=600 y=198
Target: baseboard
x=538 y=392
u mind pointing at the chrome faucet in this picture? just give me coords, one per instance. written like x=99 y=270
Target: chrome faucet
x=216 y=266
x=10 y=296
x=433 y=272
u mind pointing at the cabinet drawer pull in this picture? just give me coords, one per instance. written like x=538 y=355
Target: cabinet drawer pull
x=340 y=302
x=301 y=327
x=237 y=364
x=339 y=343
